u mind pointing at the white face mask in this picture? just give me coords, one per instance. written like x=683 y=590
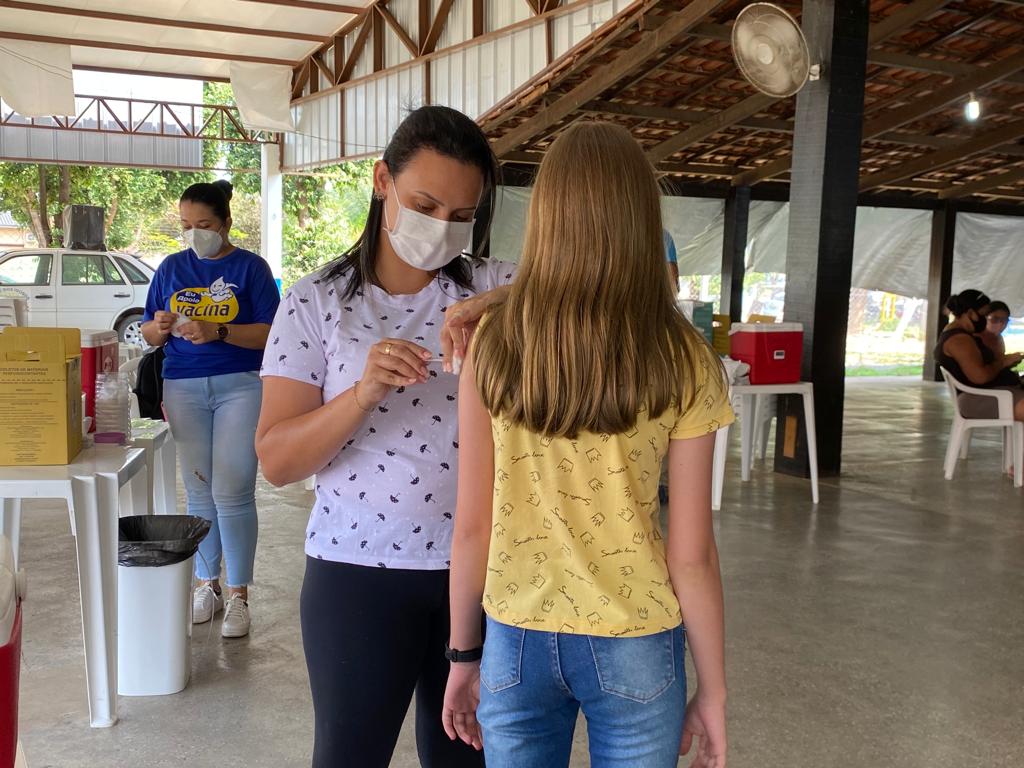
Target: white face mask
x=205 y=243
x=424 y=242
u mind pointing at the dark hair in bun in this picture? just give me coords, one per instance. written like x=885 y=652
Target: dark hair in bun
x=216 y=196
x=966 y=300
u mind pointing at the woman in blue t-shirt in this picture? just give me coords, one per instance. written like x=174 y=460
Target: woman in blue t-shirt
x=210 y=307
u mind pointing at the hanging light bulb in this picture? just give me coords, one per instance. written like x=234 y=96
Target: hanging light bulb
x=972 y=109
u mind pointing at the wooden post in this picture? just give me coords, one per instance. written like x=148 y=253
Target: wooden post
x=822 y=220
x=734 y=248
x=940 y=283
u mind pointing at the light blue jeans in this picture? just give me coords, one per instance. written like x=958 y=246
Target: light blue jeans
x=213 y=421
x=632 y=691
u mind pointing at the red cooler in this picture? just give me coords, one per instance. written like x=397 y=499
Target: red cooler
x=772 y=350
x=99 y=355
x=11 y=589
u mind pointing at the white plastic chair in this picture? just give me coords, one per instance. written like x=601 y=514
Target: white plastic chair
x=126 y=352
x=131 y=367
x=959 y=432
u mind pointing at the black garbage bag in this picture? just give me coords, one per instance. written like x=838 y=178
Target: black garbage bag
x=149 y=385
x=152 y=540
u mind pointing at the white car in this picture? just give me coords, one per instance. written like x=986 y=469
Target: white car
x=79 y=289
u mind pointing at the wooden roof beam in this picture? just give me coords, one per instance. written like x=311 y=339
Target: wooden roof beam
x=310 y=5
x=399 y=30
x=690 y=169
x=675 y=114
x=135 y=47
x=906 y=16
x=982 y=76
x=883 y=58
x=570 y=62
x=894 y=118
x=990 y=139
x=923 y=64
x=984 y=184
x=150 y=73
x=428 y=44
x=605 y=77
x=130 y=18
x=325 y=70
x=358 y=46
x=713 y=124
x=772 y=124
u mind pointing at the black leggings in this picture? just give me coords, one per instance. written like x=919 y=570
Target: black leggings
x=371 y=637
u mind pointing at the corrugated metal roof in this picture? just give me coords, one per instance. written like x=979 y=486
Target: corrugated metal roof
x=7 y=221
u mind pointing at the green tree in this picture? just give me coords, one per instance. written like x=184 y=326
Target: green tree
x=132 y=198
x=323 y=211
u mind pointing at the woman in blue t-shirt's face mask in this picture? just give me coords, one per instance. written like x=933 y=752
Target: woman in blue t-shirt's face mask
x=205 y=232
x=210 y=307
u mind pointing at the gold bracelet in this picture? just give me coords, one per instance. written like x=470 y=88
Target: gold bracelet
x=355 y=396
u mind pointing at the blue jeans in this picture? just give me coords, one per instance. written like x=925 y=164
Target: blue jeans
x=213 y=421
x=632 y=691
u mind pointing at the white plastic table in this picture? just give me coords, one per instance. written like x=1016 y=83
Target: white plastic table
x=161 y=462
x=105 y=482
x=749 y=394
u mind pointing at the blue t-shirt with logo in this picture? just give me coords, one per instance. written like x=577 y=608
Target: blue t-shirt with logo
x=236 y=289
x=670 y=246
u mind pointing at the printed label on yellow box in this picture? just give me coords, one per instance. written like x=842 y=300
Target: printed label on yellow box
x=40 y=396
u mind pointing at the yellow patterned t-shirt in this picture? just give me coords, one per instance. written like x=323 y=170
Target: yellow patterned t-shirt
x=576 y=542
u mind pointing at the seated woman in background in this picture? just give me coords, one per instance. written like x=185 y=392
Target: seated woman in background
x=971 y=362
x=997 y=320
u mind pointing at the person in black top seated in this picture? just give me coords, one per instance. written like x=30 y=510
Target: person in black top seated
x=996 y=321
x=971 y=362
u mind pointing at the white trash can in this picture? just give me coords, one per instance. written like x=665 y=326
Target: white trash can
x=154 y=629
x=154 y=602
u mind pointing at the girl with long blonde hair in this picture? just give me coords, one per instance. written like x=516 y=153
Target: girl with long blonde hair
x=576 y=387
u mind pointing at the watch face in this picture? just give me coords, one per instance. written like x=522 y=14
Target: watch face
x=222 y=331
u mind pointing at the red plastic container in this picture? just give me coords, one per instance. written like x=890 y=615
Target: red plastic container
x=99 y=355
x=11 y=587
x=773 y=351
x=10 y=672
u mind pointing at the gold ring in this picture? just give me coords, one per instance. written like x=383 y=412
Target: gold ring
x=387 y=349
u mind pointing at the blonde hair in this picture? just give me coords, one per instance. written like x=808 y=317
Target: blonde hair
x=590 y=334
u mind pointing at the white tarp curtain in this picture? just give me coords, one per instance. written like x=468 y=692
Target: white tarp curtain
x=890 y=249
x=695 y=224
x=688 y=220
x=987 y=256
x=890 y=246
x=263 y=94
x=509 y=226
x=35 y=78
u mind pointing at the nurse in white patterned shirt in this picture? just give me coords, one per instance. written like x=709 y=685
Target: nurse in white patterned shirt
x=354 y=392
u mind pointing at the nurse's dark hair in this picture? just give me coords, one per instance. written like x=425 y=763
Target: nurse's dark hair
x=216 y=196
x=449 y=133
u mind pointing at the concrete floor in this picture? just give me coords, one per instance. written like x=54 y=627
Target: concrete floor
x=883 y=627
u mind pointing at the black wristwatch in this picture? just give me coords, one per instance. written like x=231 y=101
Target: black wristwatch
x=460 y=656
x=222 y=332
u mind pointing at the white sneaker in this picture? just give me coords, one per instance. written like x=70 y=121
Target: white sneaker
x=236 y=617
x=206 y=603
